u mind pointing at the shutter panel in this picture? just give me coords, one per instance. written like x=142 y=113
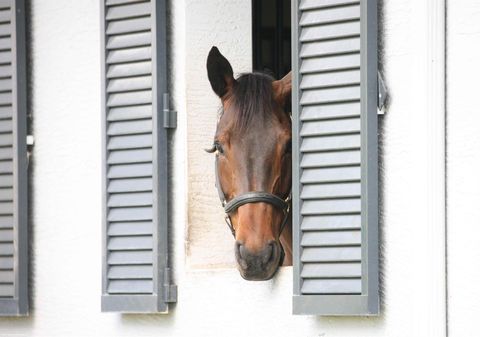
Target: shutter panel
x=13 y=161
x=335 y=203
x=135 y=265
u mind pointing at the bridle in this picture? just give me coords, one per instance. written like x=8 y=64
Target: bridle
x=248 y=198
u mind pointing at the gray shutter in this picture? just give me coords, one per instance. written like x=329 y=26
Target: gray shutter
x=13 y=161
x=135 y=264
x=335 y=208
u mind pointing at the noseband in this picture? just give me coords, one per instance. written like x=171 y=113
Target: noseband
x=249 y=198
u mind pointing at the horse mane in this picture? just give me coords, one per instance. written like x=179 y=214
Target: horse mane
x=252 y=98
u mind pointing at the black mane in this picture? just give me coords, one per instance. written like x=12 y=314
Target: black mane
x=252 y=98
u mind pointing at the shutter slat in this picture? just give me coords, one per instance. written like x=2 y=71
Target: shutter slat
x=130 y=228
x=341 y=78
x=7 y=276
x=129 y=40
x=128 y=11
x=6 y=180
x=331 y=254
x=327 y=159
x=326 y=239
x=331 y=270
x=130 y=199
x=6 y=221
x=311 y=4
x=7 y=290
x=130 y=185
x=315 y=207
x=127 y=84
x=326 y=222
x=130 y=272
x=130 y=243
x=325 y=175
x=348 y=142
x=349 y=190
x=6 y=249
x=5 y=43
x=130 y=214
x=6 y=153
x=130 y=287
x=130 y=142
x=130 y=171
x=330 y=95
x=131 y=257
x=130 y=127
x=6 y=263
x=330 y=111
x=5 y=29
x=330 y=63
x=332 y=286
x=5 y=71
x=323 y=128
x=5 y=112
x=130 y=98
x=341 y=30
x=332 y=15
x=6 y=84
x=129 y=55
x=130 y=113
x=129 y=26
x=130 y=156
x=129 y=69
x=6 y=235
x=331 y=47
x=5 y=14
x=6 y=194
x=6 y=167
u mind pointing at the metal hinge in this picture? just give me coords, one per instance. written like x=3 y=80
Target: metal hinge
x=382 y=94
x=30 y=142
x=169 y=116
x=169 y=289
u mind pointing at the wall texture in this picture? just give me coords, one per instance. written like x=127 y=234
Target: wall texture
x=213 y=300
x=463 y=167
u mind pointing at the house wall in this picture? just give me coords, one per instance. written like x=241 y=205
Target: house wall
x=463 y=166
x=213 y=300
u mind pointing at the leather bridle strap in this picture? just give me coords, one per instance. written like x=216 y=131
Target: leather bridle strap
x=248 y=198
x=251 y=197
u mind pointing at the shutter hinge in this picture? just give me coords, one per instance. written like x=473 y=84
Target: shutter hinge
x=169 y=116
x=382 y=94
x=30 y=142
x=169 y=289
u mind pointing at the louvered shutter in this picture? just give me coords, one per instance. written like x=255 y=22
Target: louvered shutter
x=335 y=157
x=135 y=261
x=13 y=161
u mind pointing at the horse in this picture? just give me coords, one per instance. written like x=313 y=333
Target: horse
x=253 y=149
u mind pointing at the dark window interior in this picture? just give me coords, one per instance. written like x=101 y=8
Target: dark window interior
x=272 y=36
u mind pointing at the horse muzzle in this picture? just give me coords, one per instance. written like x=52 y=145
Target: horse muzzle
x=260 y=265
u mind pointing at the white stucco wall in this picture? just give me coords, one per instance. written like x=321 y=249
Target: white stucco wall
x=215 y=301
x=463 y=167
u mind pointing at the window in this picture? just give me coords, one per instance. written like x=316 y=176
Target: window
x=272 y=51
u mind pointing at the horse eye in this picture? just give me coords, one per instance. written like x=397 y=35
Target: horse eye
x=219 y=147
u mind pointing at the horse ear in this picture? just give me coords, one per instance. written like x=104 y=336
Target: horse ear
x=220 y=72
x=282 y=89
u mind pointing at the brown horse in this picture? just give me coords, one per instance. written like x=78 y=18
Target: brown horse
x=253 y=158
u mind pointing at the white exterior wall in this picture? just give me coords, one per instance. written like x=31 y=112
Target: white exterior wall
x=463 y=167
x=213 y=300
